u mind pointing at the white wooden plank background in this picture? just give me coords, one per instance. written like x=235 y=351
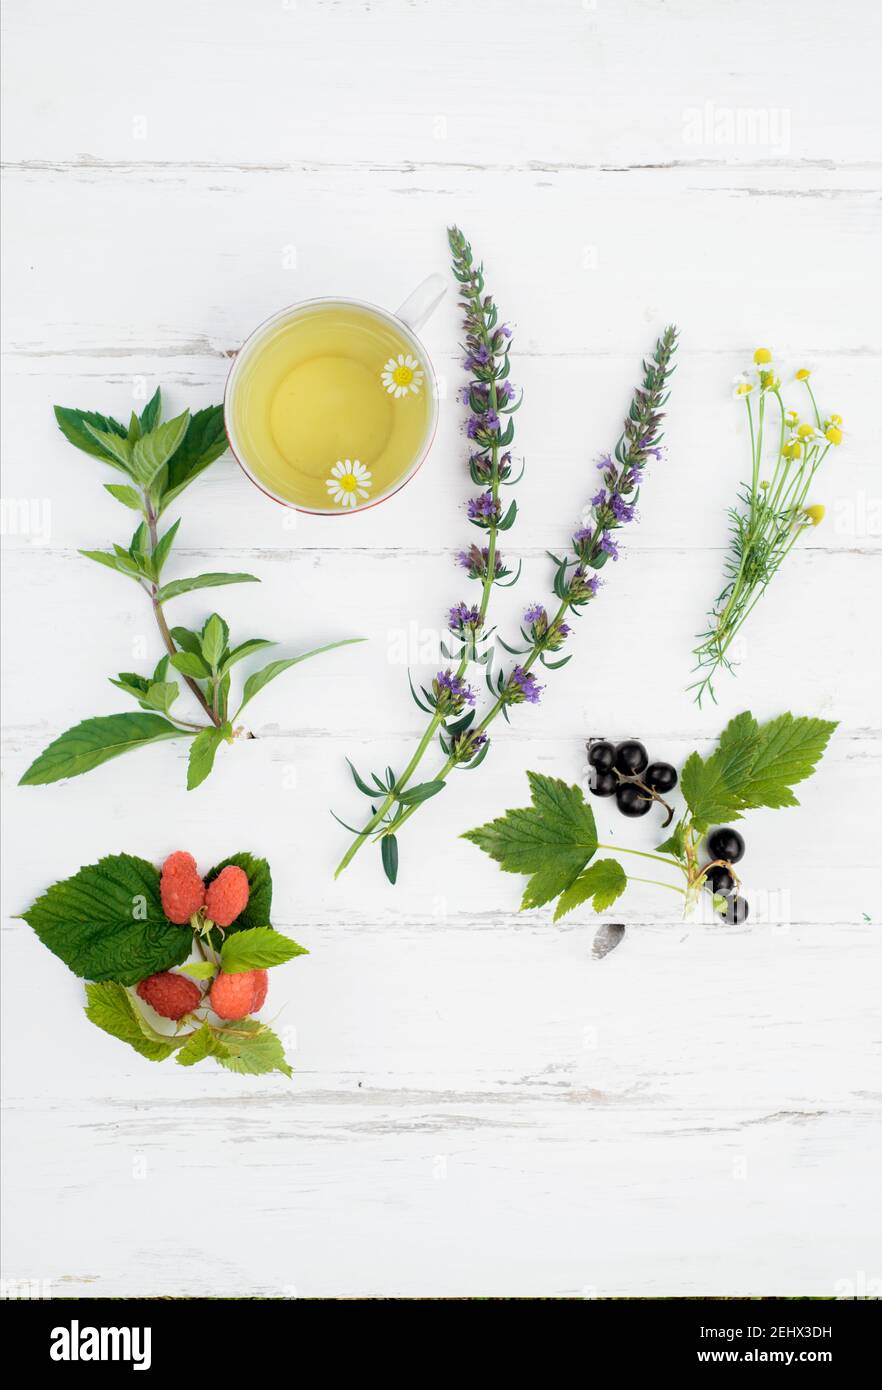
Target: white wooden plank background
x=478 y=1106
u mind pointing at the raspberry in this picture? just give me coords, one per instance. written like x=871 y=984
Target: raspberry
x=173 y=996
x=227 y=895
x=180 y=887
x=237 y=996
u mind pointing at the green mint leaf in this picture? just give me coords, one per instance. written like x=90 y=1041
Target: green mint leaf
x=134 y=431
x=254 y=644
x=754 y=765
x=198 y=969
x=251 y=1048
x=213 y=639
x=149 y=417
x=72 y=424
x=188 y=641
x=258 y=948
x=163 y=547
x=116 y=447
x=152 y=451
x=552 y=840
x=204 y=442
x=161 y=695
x=129 y=496
x=133 y=685
x=202 y=581
x=93 y=742
x=201 y=1044
x=202 y=754
x=107 y=922
x=190 y=664
x=602 y=882
x=123 y=564
x=111 y=1008
x=256 y=682
x=260 y=895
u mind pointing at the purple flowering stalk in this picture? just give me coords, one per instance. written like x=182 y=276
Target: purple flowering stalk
x=451 y=701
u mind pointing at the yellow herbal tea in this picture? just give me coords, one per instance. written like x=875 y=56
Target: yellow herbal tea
x=331 y=409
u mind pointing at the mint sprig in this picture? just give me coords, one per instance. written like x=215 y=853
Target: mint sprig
x=159 y=460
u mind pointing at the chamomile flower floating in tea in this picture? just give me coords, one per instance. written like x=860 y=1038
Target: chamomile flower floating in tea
x=402 y=374
x=773 y=510
x=349 y=483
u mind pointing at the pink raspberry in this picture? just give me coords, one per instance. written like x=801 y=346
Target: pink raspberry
x=237 y=996
x=227 y=895
x=173 y=996
x=180 y=887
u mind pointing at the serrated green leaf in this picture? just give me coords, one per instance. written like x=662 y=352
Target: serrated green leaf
x=152 y=451
x=256 y=682
x=251 y=1048
x=149 y=417
x=198 y=969
x=602 y=882
x=188 y=641
x=258 y=948
x=129 y=496
x=190 y=664
x=754 y=765
x=201 y=1044
x=111 y=1008
x=73 y=423
x=204 y=442
x=244 y=649
x=202 y=754
x=107 y=923
x=116 y=447
x=213 y=639
x=675 y=843
x=163 y=547
x=202 y=581
x=96 y=741
x=552 y=840
x=122 y=564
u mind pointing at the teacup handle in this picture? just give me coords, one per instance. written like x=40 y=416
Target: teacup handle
x=420 y=305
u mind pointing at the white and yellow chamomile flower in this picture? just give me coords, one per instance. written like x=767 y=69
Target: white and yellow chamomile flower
x=349 y=483
x=402 y=374
x=742 y=385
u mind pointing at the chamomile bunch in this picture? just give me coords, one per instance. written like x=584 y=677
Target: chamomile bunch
x=773 y=510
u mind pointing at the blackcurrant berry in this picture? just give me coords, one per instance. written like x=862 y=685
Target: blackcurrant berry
x=735 y=912
x=602 y=755
x=719 y=880
x=631 y=801
x=631 y=757
x=727 y=844
x=661 y=777
x=603 y=783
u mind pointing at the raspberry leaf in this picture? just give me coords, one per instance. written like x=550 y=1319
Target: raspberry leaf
x=199 y=1045
x=552 y=840
x=250 y=1047
x=258 y=948
x=107 y=922
x=602 y=882
x=112 y=1009
x=95 y=741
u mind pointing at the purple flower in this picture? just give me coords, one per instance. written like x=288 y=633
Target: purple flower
x=604 y=462
x=481 y=354
x=582 y=585
x=461 y=617
x=473 y=426
x=504 y=329
x=563 y=630
x=622 y=511
x=609 y=545
x=523 y=687
x=535 y=614
x=584 y=533
x=483 y=508
x=599 y=498
x=463 y=394
x=476 y=559
x=504 y=392
x=491 y=420
x=451 y=691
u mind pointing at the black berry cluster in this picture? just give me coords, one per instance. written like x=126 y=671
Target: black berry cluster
x=623 y=770
x=726 y=847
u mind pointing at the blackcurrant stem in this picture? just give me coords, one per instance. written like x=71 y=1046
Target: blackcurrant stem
x=651 y=795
